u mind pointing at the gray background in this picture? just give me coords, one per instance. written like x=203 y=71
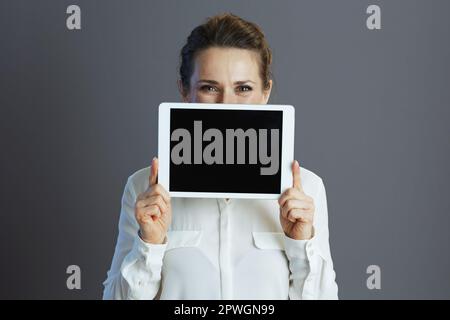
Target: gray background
x=79 y=115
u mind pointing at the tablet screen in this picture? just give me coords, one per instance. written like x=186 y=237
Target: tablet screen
x=228 y=151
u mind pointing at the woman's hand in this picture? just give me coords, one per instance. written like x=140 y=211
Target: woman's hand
x=153 y=210
x=297 y=209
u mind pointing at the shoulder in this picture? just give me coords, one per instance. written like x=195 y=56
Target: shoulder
x=311 y=181
x=138 y=180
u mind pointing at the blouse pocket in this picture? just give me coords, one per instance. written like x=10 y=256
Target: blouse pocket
x=269 y=240
x=183 y=238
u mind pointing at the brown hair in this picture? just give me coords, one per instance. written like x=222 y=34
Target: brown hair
x=225 y=30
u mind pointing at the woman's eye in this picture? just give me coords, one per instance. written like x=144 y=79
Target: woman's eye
x=208 y=88
x=244 y=88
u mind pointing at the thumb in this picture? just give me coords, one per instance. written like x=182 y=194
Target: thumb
x=153 y=179
x=297 y=181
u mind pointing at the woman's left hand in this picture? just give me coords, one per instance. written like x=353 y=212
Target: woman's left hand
x=297 y=209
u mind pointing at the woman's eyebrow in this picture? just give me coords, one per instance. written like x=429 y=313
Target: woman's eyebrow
x=208 y=81
x=216 y=83
x=244 y=81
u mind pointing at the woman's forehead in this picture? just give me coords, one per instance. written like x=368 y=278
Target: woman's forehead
x=226 y=64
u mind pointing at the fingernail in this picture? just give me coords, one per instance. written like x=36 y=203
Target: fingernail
x=297 y=164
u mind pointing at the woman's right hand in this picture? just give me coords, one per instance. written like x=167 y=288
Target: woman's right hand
x=153 y=209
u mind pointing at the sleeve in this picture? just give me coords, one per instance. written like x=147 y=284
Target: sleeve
x=312 y=273
x=135 y=271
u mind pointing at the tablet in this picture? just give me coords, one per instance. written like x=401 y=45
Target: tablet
x=225 y=150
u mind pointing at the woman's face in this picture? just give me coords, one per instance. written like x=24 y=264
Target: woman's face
x=226 y=75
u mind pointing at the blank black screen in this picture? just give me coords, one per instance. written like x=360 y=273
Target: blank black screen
x=232 y=178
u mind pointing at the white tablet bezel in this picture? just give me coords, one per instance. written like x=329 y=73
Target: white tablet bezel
x=287 y=147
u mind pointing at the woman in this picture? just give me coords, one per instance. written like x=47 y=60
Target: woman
x=185 y=248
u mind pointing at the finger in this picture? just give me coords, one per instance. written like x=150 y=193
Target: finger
x=285 y=214
x=143 y=218
x=156 y=199
x=297 y=182
x=295 y=215
x=147 y=214
x=297 y=206
x=158 y=189
x=293 y=193
x=152 y=211
x=154 y=172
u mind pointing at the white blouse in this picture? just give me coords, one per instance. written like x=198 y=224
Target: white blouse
x=222 y=249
